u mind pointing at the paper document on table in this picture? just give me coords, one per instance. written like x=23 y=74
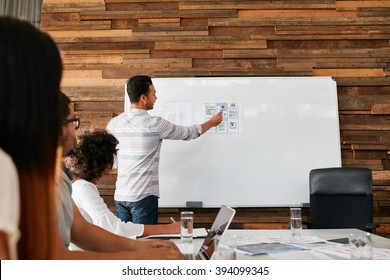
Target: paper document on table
x=380 y=254
x=300 y=255
x=197 y=233
x=343 y=251
x=266 y=248
x=303 y=240
x=280 y=239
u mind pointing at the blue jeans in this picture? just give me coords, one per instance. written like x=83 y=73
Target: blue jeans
x=144 y=211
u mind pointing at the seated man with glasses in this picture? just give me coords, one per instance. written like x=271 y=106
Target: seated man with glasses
x=75 y=121
x=74 y=228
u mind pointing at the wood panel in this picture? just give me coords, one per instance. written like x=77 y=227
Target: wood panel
x=104 y=42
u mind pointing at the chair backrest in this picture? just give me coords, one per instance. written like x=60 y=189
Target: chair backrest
x=340 y=197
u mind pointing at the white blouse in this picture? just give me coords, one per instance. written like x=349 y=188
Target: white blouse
x=9 y=202
x=86 y=196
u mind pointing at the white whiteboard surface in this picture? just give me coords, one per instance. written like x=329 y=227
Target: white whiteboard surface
x=288 y=126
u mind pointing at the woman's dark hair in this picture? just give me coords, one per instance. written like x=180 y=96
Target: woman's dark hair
x=30 y=75
x=93 y=153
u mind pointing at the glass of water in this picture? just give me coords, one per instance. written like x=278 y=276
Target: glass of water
x=225 y=249
x=360 y=246
x=296 y=222
x=186 y=226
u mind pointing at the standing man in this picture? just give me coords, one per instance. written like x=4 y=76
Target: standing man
x=140 y=137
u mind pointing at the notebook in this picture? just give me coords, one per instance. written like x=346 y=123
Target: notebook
x=218 y=228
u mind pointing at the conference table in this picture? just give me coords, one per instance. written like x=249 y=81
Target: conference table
x=319 y=244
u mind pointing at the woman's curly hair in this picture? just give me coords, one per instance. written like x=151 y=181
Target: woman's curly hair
x=94 y=151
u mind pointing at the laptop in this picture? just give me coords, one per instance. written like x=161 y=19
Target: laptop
x=217 y=230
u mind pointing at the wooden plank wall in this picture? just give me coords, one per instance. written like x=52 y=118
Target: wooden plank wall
x=104 y=42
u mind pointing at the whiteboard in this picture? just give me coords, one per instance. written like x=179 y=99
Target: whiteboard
x=287 y=126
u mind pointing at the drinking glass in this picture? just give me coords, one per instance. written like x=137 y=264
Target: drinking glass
x=186 y=226
x=225 y=248
x=360 y=246
x=296 y=222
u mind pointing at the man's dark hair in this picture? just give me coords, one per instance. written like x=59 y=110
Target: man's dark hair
x=94 y=151
x=137 y=86
x=63 y=111
x=63 y=106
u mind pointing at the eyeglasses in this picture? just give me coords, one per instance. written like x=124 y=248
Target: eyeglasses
x=75 y=121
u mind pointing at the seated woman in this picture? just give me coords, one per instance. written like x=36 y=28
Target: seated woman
x=89 y=160
x=9 y=207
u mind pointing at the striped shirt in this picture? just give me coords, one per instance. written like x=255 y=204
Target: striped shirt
x=140 y=138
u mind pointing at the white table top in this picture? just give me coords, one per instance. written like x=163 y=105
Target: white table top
x=322 y=251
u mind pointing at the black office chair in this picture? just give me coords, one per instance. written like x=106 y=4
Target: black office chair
x=341 y=197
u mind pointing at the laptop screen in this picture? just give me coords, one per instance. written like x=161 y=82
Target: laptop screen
x=218 y=228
